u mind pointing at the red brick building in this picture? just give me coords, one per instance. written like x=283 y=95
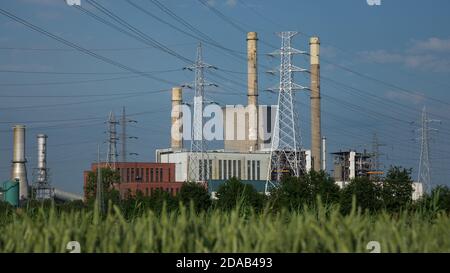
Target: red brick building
x=142 y=176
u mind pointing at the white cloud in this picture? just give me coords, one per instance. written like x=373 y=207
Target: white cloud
x=231 y=3
x=43 y=2
x=431 y=55
x=415 y=98
x=432 y=44
x=381 y=56
x=328 y=51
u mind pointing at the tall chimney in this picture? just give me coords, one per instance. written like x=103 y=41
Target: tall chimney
x=177 y=121
x=42 y=158
x=19 y=170
x=315 y=102
x=324 y=153
x=252 y=93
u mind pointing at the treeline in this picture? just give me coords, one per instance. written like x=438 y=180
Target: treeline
x=392 y=194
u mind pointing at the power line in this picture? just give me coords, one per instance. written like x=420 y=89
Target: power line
x=91 y=49
x=84 y=73
x=79 y=48
x=143 y=37
x=83 y=96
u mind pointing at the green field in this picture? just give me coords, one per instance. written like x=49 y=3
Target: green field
x=183 y=230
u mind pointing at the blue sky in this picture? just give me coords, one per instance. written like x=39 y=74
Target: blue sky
x=404 y=43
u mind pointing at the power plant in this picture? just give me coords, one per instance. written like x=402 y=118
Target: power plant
x=261 y=143
x=248 y=133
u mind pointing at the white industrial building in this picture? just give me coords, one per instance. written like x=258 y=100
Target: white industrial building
x=224 y=164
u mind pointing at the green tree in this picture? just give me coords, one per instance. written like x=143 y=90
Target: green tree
x=109 y=178
x=159 y=198
x=397 y=189
x=366 y=193
x=323 y=185
x=196 y=193
x=294 y=193
x=442 y=196
x=233 y=192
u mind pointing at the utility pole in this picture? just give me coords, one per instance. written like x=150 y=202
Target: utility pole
x=99 y=190
x=198 y=158
x=285 y=150
x=124 y=137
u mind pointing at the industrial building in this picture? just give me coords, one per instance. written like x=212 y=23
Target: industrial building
x=17 y=190
x=145 y=177
x=246 y=137
x=349 y=165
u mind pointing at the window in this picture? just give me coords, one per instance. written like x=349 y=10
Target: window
x=146 y=175
x=169 y=175
x=234 y=168
x=239 y=169
x=128 y=174
x=200 y=167
x=157 y=175
x=258 y=170
x=248 y=170
x=253 y=169
x=132 y=175
x=151 y=175
x=210 y=170
x=142 y=175
x=220 y=170
x=229 y=169
x=161 y=175
x=225 y=169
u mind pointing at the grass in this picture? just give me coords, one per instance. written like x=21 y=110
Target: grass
x=318 y=230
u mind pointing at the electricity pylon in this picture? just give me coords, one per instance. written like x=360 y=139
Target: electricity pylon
x=198 y=158
x=285 y=150
x=424 y=174
x=111 y=158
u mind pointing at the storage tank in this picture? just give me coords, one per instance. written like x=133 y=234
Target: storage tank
x=10 y=191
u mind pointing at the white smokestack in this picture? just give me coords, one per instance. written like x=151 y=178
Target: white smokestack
x=177 y=122
x=42 y=158
x=252 y=93
x=19 y=170
x=324 y=153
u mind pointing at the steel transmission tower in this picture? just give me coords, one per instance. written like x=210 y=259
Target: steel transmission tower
x=424 y=174
x=124 y=137
x=286 y=146
x=376 y=167
x=111 y=158
x=198 y=158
